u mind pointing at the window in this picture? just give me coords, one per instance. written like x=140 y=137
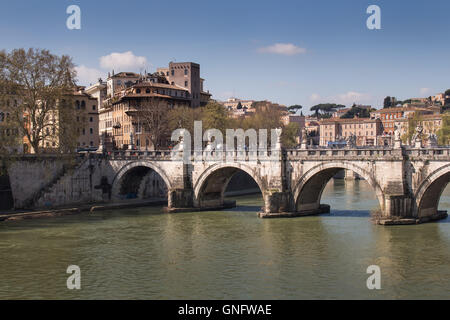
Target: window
x=138 y=90
x=91 y=130
x=185 y=72
x=84 y=131
x=172 y=72
x=147 y=91
x=93 y=108
x=185 y=83
x=83 y=105
x=91 y=119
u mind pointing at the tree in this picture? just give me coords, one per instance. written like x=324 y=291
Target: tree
x=325 y=110
x=356 y=111
x=37 y=82
x=294 y=109
x=214 y=116
x=184 y=117
x=444 y=132
x=290 y=134
x=153 y=114
x=413 y=122
x=447 y=98
x=266 y=116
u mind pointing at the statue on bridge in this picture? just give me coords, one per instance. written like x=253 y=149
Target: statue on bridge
x=432 y=140
x=416 y=140
x=351 y=141
x=397 y=137
x=304 y=141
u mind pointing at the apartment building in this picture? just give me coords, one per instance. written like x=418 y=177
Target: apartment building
x=187 y=75
x=366 y=130
x=127 y=106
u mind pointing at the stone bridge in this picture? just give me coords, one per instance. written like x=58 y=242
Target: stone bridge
x=408 y=182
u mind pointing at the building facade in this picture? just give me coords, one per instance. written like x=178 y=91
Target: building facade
x=365 y=130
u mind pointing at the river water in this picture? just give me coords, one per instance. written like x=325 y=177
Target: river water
x=145 y=254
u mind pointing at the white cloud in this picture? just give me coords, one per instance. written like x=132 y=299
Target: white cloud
x=425 y=91
x=125 y=61
x=352 y=97
x=87 y=75
x=347 y=98
x=287 y=49
x=314 y=97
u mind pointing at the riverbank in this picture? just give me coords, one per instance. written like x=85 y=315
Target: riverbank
x=58 y=212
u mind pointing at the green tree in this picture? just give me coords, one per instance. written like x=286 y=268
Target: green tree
x=325 y=110
x=214 y=116
x=290 y=134
x=444 y=132
x=356 y=111
x=387 y=102
x=294 y=109
x=413 y=122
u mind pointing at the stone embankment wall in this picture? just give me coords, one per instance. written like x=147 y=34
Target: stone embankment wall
x=29 y=176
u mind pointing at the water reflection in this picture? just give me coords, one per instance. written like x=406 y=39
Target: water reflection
x=142 y=253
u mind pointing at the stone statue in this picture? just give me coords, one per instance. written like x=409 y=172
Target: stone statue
x=418 y=133
x=304 y=135
x=351 y=141
x=432 y=140
x=396 y=133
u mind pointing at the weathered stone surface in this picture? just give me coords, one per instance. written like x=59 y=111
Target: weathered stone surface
x=407 y=182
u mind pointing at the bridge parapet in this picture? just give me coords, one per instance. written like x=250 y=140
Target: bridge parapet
x=435 y=153
x=327 y=154
x=138 y=155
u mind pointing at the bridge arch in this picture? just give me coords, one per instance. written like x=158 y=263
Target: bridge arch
x=307 y=192
x=210 y=187
x=142 y=168
x=429 y=192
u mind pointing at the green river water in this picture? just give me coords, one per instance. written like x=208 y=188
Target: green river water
x=146 y=254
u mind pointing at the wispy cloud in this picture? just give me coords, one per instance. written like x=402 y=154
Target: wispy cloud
x=287 y=49
x=347 y=98
x=123 y=61
x=425 y=91
x=86 y=75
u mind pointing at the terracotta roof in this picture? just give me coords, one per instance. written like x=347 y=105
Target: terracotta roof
x=340 y=120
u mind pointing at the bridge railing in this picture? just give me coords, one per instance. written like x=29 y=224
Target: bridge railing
x=375 y=152
x=429 y=152
x=320 y=152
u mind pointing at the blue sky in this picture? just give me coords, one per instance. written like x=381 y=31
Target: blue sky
x=325 y=52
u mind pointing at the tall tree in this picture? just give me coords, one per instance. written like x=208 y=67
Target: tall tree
x=214 y=116
x=444 y=132
x=325 y=110
x=294 y=109
x=387 y=102
x=153 y=114
x=290 y=134
x=36 y=83
x=413 y=122
x=356 y=111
